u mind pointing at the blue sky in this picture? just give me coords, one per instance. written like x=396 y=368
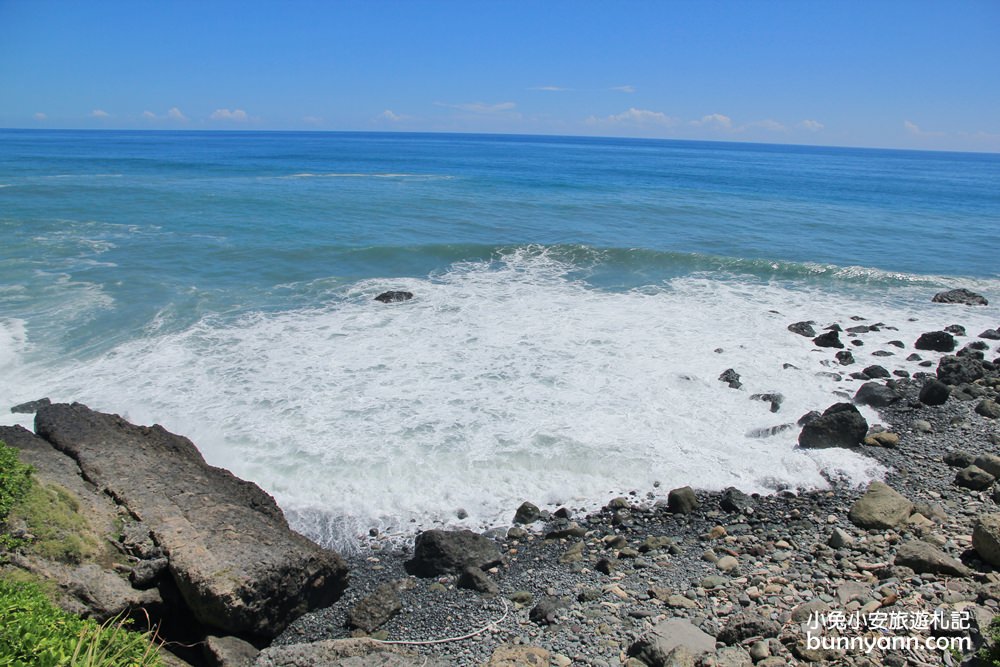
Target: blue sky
x=901 y=74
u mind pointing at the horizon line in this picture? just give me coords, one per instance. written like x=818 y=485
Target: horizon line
x=491 y=134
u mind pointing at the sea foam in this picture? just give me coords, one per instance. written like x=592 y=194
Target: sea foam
x=501 y=381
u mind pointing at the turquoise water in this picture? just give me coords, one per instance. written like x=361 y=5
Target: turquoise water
x=221 y=284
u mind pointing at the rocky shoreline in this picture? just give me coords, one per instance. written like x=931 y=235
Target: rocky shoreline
x=699 y=579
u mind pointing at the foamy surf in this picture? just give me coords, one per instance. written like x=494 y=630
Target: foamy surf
x=501 y=381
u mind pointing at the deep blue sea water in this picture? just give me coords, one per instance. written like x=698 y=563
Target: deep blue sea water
x=571 y=294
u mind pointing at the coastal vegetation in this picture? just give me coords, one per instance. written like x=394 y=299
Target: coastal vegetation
x=34 y=632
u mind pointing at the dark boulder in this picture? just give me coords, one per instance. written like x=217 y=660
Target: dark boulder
x=955 y=329
x=934 y=392
x=234 y=560
x=962 y=296
x=31 y=406
x=682 y=501
x=394 y=296
x=803 y=329
x=959 y=370
x=474 y=579
x=845 y=357
x=527 y=513
x=829 y=339
x=875 y=372
x=734 y=500
x=774 y=398
x=936 y=341
x=876 y=395
x=809 y=417
x=989 y=334
x=437 y=552
x=840 y=425
x=732 y=378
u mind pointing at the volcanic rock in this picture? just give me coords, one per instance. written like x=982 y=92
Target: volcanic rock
x=803 y=329
x=394 y=296
x=876 y=395
x=840 y=425
x=934 y=392
x=437 y=552
x=959 y=370
x=936 y=341
x=829 y=339
x=962 y=296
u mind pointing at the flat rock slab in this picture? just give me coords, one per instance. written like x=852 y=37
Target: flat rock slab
x=237 y=564
x=922 y=557
x=655 y=646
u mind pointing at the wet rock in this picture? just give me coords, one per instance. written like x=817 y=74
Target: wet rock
x=31 y=406
x=934 y=392
x=840 y=425
x=775 y=399
x=955 y=329
x=437 y=552
x=936 y=341
x=880 y=507
x=845 y=358
x=682 y=501
x=829 y=339
x=876 y=395
x=989 y=334
x=876 y=372
x=394 y=296
x=732 y=378
x=527 y=513
x=961 y=296
x=803 y=329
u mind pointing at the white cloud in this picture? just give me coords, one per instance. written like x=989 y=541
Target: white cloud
x=554 y=89
x=624 y=89
x=811 y=125
x=237 y=115
x=481 y=107
x=312 y=120
x=175 y=114
x=149 y=115
x=99 y=113
x=635 y=117
x=714 y=119
x=916 y=131
x=41 y=116
x=390 y=116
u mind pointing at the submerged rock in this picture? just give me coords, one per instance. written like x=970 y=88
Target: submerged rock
x=803 y=329
x=732 y=378
x=31 y=406
x=394 y=296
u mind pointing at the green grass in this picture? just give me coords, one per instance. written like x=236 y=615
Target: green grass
x=36 y=633
x=15 y=483
x=61 y=532
x=990 y=652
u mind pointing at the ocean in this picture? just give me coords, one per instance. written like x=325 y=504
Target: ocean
x=575 y=300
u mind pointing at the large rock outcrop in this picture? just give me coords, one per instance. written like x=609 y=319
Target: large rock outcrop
x=230 y=552
x=840 y=425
